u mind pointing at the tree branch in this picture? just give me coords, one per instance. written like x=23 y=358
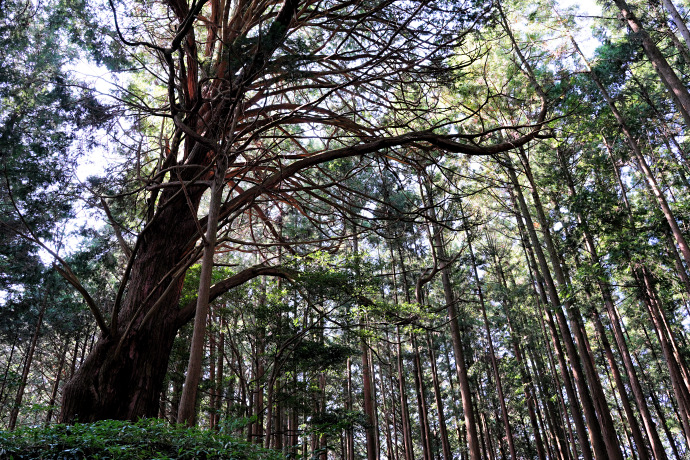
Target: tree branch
x=186 y=313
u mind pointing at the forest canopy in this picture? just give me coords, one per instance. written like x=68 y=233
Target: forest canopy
x=349 y=228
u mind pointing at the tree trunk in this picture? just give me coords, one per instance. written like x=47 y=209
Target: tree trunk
x=135 y=361
x=187 y=411
x=652 y=434
x=445 y=443
x=456 y=338
x=492 y=354
x=14 y=413
x=404 y=408
x=591 y=378
x=56 y=382
x=367 y=394
x=6 y=374
x=423 y=416
x=220 y=368
x=349 y=435
x=675 y=86
x=456 y=412
x=527 y=385
x=386 y=412
x=212 y=372
x=545 y=317
x=678 y=21
x=587 y=405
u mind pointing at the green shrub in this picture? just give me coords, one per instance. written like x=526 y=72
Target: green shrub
x=111 y=439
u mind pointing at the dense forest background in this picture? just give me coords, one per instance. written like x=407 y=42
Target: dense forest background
x=351 y=228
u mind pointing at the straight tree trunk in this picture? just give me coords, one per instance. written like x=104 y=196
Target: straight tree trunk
x=664 y=426
x=524 y=372
x=367 y=394
x=349 y=435
x=439 y=252
x=492 y=353
x=14 y=413
x=445 y=443
x=545 y=316
x=6 y=374
x=458 y=352
x=484 y=438
x=220 y=375
x=674 y=85
x=56 y=382
x=386 y=412
x=456 y=412
x=393 y=411
x=212 y=371
x=658 y=450
x=421 y=402
x=593 y=427
x=187 y=411
x=375 y=399
x=404 y=408
x=590 y=378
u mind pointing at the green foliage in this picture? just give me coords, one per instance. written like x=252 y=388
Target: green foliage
x=315 y=356
x=190 y=287
x=110 y=439
x=336 y=277
x=44 y=122
x=334 y=422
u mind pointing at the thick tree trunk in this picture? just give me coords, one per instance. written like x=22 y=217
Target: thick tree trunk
x=122 y=376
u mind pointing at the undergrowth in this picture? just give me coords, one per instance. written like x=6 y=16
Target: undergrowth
x=111 y=439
